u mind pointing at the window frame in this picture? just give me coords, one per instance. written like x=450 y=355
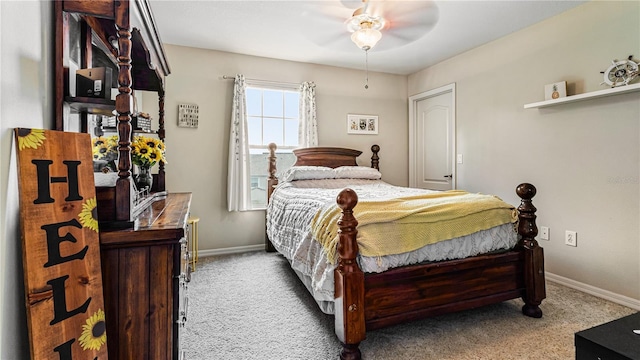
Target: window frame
x=264 y=148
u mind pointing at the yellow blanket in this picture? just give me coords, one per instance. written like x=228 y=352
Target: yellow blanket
x=399 y=225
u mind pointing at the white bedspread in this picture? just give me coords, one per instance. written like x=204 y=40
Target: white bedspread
x=294 y=204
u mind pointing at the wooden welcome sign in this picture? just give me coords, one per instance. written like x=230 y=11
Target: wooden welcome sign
x=60 y=246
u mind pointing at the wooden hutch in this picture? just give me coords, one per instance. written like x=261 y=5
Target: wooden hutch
x=142 y=234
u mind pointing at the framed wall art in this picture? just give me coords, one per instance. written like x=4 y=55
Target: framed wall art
x=362 y=124
x=188 y=115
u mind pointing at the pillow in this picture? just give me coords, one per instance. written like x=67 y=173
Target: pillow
x=357 y=172
x=308 y=173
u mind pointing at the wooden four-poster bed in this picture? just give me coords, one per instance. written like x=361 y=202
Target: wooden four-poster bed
x=367 y=301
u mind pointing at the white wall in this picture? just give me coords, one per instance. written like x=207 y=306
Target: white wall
x=197 y=158
x=25 y=96
x=583 y=157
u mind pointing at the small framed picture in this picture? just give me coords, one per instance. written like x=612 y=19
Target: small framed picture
x=555 y=90
x=362 y=124
x=188 y=115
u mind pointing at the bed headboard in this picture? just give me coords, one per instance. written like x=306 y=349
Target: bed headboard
x=326 y=156
x=319 y=156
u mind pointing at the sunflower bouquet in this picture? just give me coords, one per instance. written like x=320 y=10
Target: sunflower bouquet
x=105 y=149
x=146 y=151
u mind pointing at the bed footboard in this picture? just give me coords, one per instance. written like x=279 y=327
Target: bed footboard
x=377 y=300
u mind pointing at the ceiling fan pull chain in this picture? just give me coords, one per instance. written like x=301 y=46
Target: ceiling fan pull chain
x=366 y=64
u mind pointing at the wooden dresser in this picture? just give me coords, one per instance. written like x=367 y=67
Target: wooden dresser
x=145 y=273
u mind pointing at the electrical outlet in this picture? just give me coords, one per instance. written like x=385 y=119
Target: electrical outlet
x=544 y=233
x=571 y=238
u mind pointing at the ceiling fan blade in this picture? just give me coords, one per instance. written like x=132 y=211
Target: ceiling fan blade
x=409 y=13
x=401 y=36
x=412 y=29
x=325 y=26
x=406 y=22
x=351 y=4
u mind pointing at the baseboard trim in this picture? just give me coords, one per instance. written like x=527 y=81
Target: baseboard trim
x=230 y=250
x=592 y=290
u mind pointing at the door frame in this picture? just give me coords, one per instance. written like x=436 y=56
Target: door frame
x=413 y=103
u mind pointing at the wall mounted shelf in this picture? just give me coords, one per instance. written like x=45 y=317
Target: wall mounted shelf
x=114 y=129
x=92 y=105
x=586 y=96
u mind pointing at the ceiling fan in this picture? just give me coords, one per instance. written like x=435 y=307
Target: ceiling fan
x=391 y=23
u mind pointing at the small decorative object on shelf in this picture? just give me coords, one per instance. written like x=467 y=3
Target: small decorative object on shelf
x=620 y=72
x=188 y=115
x=95 y=82
x=109 y=121
x=145 y=153
x=141 y=121
x=555 y=90
x=105 y=153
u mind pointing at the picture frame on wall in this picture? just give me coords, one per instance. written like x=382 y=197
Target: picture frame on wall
x=362 y=124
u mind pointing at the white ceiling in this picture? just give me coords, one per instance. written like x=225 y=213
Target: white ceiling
x=314 y=32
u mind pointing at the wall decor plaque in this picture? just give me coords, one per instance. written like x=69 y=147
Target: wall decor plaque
x=188 y=115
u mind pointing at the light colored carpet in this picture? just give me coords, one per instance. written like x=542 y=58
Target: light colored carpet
x=252 y=306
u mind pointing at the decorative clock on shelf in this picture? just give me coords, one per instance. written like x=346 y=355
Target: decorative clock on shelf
x=620 y=72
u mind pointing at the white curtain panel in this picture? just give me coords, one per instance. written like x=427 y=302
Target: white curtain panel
x=308 y=128
x=239 y=183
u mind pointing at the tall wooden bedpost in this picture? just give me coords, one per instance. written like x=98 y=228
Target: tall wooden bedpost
x=375 y=160
x=535 y=290
x=349 y=281
x=272 y=181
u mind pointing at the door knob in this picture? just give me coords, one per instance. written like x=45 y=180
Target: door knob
x=449 y=176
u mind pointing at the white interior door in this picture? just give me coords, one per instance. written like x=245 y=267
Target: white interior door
x=432 y=139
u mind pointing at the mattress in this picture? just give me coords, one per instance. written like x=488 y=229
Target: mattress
x=294 y=204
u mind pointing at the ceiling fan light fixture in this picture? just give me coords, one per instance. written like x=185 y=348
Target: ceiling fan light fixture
x=366 y=33
x=366 y=38
x=365 y=30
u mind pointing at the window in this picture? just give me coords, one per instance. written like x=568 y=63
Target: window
x=272 y=117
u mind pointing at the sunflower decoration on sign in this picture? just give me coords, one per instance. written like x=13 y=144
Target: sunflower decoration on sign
x=89 y=214
x=105 y=152
x=94 y=332
x=30 y=138
x=146 y=151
